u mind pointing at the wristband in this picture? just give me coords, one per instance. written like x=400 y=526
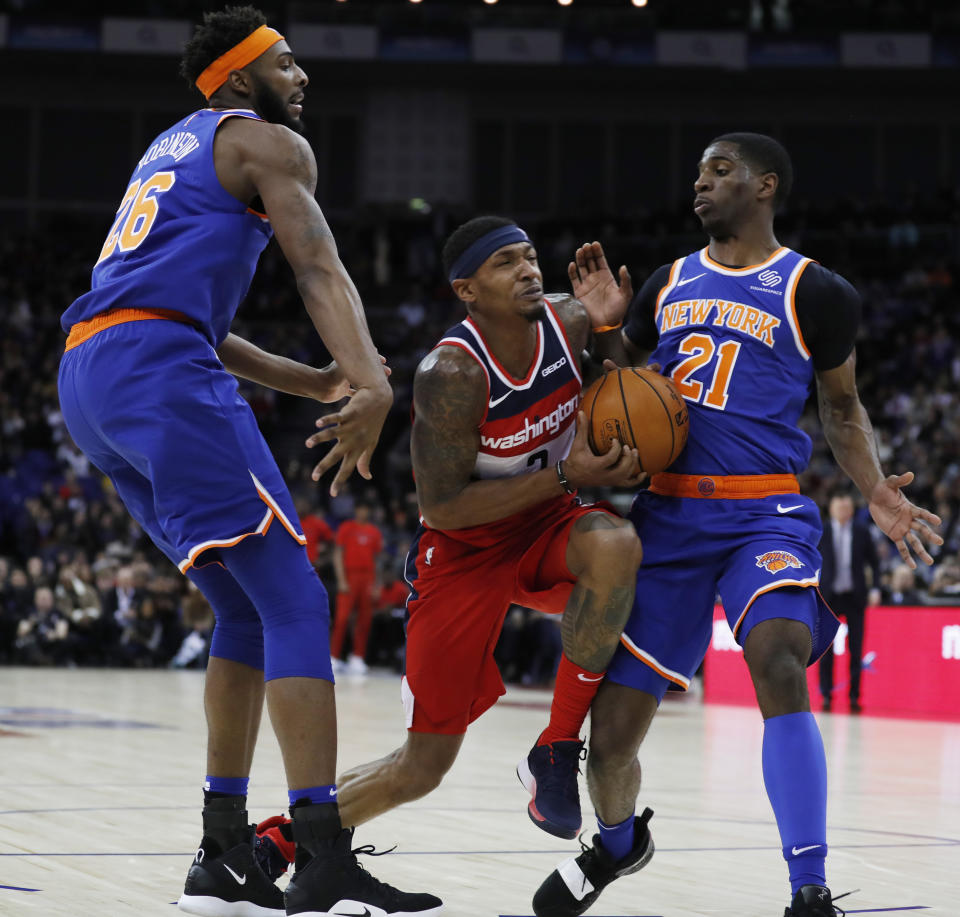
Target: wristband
x=562 y=478
x=602 y=328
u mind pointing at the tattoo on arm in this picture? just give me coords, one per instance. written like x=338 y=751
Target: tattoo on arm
x=450 y=396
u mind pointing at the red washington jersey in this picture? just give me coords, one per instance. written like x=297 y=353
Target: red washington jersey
x=529 y=423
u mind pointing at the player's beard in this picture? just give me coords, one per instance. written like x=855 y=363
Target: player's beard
x=536 y=314
x=272 y=107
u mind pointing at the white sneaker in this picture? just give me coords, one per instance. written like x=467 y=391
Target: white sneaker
x=339 y=666
x=356 y=665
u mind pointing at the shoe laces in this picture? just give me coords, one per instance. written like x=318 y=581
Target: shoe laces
x=839 y=911
x=833 y=902
x=367 y=878
x=565 y=766
x=589 y=850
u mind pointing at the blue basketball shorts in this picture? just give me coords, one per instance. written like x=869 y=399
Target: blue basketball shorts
x=696 y=549
x=151 y=405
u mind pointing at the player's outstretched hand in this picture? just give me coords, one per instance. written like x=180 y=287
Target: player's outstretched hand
x=620 y=467
x=332 y=384
x=594 y=285
x=355 y=429
x=903 y=522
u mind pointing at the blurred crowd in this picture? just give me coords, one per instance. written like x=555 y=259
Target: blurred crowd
x=80 y=584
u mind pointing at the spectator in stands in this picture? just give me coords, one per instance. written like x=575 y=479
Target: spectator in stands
x=36 y=572
x=43 y=636
x=198 y=621
x=945 y=586
x=398 y=529
x=359 y=544
x=902 y=589
x=141 y=635
x=78 y=601
x=14 y=605
x=120 y=601
x=847 y=550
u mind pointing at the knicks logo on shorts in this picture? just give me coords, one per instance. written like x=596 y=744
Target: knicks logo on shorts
x=775 y=561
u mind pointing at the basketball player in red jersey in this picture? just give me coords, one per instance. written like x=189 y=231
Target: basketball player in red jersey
x=498 y=453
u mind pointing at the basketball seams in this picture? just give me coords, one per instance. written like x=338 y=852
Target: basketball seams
x=666 y=410
x=593 y=405
x=626 y=408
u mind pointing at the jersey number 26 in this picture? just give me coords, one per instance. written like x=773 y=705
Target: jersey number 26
x=136 y=214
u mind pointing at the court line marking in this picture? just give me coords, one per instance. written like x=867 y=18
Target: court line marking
x=559 y=852
x=892 y=910
x=18 y=888
x=939 y=841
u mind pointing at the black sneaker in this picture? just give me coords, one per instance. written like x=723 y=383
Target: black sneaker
x=549 y=775
x=576 y=883
x=229 y=884
x=814 y=901
x=332 y=882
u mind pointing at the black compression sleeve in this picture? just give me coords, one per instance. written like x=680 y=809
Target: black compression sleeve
x=640 y=326
x=828 y=310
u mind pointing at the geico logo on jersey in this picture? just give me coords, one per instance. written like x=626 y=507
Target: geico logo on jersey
x=532 y=430
x=553 y=367
x=775 y=561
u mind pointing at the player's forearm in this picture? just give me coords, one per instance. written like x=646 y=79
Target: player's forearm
x=248 y=361
x=480 y=502
x=609 y=345
x=334 y=307
x=849 y=433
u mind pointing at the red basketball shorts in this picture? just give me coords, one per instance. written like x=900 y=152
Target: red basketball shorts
x=463 y=583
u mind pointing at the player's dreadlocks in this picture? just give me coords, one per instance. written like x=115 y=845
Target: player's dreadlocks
x=219 y=32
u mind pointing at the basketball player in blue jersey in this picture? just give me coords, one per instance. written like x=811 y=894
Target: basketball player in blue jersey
x=498 y=453
x=147 y=391
x=745 y=328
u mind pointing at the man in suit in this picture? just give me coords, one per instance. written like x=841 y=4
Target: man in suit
x=847 y=550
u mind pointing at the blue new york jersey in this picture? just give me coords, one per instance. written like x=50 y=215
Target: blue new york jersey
x=179 y=241
x=730 y=340
x=149 y=401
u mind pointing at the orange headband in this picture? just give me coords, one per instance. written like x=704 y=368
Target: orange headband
x=236 y=59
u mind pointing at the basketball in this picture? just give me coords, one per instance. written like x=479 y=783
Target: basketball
x=641 y=409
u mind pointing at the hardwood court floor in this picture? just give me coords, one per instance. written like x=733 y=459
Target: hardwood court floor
x=99 y=815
